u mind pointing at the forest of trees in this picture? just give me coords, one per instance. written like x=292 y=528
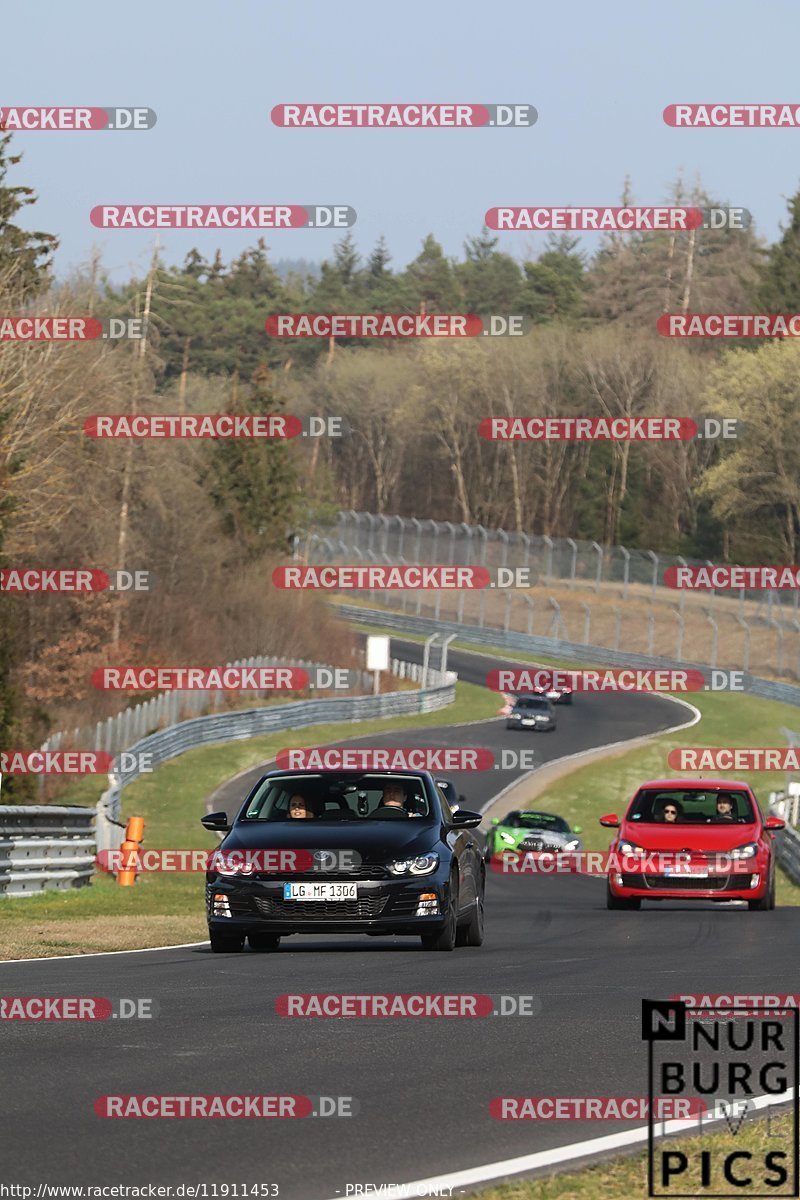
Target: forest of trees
x=208 y=518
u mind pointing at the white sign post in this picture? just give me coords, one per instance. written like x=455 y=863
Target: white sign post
x=377 y=657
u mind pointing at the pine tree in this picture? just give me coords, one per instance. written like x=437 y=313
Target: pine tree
x=26 y=256
x=254 y=482
x=780 y=287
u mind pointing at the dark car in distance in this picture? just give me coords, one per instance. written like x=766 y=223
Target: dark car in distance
x=532 y=712
x=377 y=853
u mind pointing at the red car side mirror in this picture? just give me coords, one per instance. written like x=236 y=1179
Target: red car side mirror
x=610 y=820
x=774 y=823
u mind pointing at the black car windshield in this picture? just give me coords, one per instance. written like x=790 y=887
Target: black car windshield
x=682 y=806
x=537 y=820
x=539 y=702
x=322 y=796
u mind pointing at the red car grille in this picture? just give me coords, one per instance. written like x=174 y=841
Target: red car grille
x=678 y=883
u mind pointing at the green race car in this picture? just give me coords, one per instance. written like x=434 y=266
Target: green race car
x=524 y=830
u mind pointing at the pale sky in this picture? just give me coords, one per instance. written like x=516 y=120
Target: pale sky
x=598 y=74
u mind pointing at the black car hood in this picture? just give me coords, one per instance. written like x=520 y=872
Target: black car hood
x=375 y=841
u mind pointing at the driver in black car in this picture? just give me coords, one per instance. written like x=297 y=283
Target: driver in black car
x=393 y=800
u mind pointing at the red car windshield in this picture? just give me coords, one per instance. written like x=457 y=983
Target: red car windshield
x=680 y=806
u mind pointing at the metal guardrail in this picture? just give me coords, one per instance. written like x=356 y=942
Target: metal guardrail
x=242 y=724
x=44 y=848
x=167 y=708
x=787 y=850
x=735 y=627
x=502 y=639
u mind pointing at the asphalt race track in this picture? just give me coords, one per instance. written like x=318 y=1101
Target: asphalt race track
x=423 y=1086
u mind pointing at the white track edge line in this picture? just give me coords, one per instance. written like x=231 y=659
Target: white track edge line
x=560 y=1154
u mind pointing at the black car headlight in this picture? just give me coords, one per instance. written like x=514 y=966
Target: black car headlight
x=748 y=850
x=630 y=848
x=423 y=864
x=232 y=862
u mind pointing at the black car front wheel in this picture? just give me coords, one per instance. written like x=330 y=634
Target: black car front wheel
x=471 y=934
x=445 y=939
x=226 y=943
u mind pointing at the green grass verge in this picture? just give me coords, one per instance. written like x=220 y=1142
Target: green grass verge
x=625 y=1178
x=171 y=802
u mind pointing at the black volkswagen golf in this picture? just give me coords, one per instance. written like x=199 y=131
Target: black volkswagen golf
x=337 y=852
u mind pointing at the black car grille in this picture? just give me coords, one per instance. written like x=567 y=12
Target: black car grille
x=679 y=883
x=365 y=908
x=363 y=871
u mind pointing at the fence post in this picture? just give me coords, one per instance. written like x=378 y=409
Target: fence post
x=626 y=572
x=548 y=567
x=652 y=554
x=710 y=618
x=599 y=575
x=426 y=654
x=418 y=526
x=573 y=566
x=504 y=539
x=587 y=623
x=531 y=607
x=555 y=627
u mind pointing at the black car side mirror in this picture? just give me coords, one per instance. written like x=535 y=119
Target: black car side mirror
x=465 y=819
x=217 y=822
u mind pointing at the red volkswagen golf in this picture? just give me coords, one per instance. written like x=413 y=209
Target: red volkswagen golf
x=704 y=839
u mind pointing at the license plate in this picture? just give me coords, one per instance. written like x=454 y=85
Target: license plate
x=686 y=874
x=320 y=891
